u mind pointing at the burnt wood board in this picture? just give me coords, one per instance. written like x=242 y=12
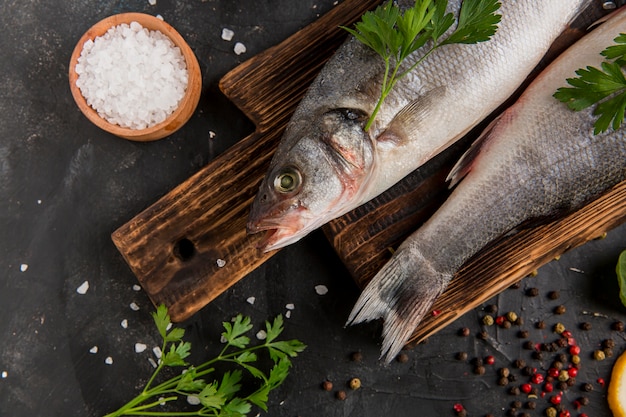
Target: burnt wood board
x=191 y=245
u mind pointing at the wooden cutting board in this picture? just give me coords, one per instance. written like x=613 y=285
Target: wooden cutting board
x=191 y=245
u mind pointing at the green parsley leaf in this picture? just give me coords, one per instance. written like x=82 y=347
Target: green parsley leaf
x=175 y=335
x=210 y=398
x=237 y=407
x=176 y=355
x=230 y=384
x=161 y=320
x=620 y=269
x=604 y=87
x=234 y=334
x=189 y=383
x=395 y=36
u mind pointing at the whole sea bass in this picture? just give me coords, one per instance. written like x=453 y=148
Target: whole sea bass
x=536 y=160
x=327 y=165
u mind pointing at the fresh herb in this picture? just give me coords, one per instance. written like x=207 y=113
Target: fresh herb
x=394 y=35
x=218 y=396
x=620 y=269
x=604 y=86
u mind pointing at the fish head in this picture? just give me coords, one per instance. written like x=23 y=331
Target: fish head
x=317 y=174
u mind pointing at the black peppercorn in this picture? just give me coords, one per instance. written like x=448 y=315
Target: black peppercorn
x=483 y=335
x=587 y=387
x=538 y=355
x=585 y=326
x=522 y=334
x=562 y=357
x=356 y=356
x=531 y=405
x=479 y=370
x=514 y=391
x=503 y=381
x=506 y=324
x=562 y=385
x=562 y=342
x=341 y=395
x=461 y=356
x=516 y=285
x=491 y=309
x=403 y=358
x=516 y=404
x=504 y=372
x=553 y=295
x=608 y=343
x=327 y=385
x=560 y=309
x=511 y=412
x=540 y=325
x=617 y=326
x=519 y=321
x=519 y=363
x=583 y=400
x=465 y=331
x=532 y=292
x=528 y=345
x=528 y=371
x=608 y=352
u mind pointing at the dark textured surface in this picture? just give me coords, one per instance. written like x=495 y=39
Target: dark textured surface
x=65 y=186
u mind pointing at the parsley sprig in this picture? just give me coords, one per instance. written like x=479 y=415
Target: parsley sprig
x=219 y=397
x=604 y=87
x=394 y=35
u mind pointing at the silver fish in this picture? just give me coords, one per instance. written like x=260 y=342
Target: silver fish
x=537 y=160
x=327 y=165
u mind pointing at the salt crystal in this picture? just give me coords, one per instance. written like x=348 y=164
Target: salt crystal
x=239 y=48
x=38 y=201
x=211 y=134
x=261 y=335
x=108 y=360
x=193 y=400
x=290 y=306
x=124 y=324
x=131 y=76
x=223 y=339
x=133 y=306
x=221 y=263
x=152 y=2
x=152 y=362
x=157 y=352
x=227 y=34
x=136 y=287
x=321 y=289
x=140 y=347
x=288 y=314
x=4 y=374
x=82 y=289
x=251 y=300
x=23 y=267
x=94 y=349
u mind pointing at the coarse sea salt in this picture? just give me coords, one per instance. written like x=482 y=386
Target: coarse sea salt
x=239 y=48
x=108 y=360
x=140 y=347
x=227 y=34
x=94 y=349
x=321 y=289
x=132 y=76
x=23 y=267
x=83 y=288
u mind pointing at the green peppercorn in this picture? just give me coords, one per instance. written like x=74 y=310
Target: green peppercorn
x=511 y=316
x=599 y=355
x=354 y=384
x=488 y=320
x=559 y=328
x=551 y=412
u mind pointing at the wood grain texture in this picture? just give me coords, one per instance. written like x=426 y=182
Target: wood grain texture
x=191 y=245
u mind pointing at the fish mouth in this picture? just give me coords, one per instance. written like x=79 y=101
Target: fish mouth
x=279 y=232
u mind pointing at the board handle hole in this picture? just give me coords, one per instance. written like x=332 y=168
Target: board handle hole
x=184 y=249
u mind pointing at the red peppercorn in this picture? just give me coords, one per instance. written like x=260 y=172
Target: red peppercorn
x=566 y=333
x=571 y=341
x=572 y=372
x=556 y=399
x=526 y=388
x=548 y=387
x=458 y=407
x=490 y=360
x=583 y=415
x=600 y=381
x=574 y=350
x=565 y=413
x=500 y=320
x=577 y=404
x=553 y=372
x=537 y=379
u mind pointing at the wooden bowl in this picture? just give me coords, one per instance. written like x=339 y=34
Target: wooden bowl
x=187 y=104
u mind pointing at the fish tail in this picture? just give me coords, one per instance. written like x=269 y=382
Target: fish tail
x=401 y=294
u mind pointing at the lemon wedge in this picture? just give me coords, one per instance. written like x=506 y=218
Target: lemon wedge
x=617 y=387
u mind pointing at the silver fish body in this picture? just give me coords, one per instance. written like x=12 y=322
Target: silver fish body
x=326 y=164
x=537 y=160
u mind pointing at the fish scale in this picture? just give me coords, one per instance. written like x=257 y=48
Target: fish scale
x=538 y=159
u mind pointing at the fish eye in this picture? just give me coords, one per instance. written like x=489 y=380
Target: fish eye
x=287 y=180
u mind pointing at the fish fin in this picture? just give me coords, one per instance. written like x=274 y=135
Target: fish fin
x=406 y=124
x=465 y=163
x=402 y=293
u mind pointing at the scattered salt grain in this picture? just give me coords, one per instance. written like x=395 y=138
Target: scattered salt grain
x=239 y=48
x=227 y=34
x=152 y=362
x=108 y=360
x=136 y=287
x=140 y=347
x=221 y=263
x=261 y=335
x=4 y=374
x=251 y=300
x=132 y=76
x=223 y=339
x=82 y=289
x=152 y=2
x=133 y=306
x=94 y=349
x=211 y=134
x=321 y=289
x=157 y=352
x=193 y=400
x=288 y=314
x=38 y=201
x=290 y=306
x=23 y=267
x=124 y=324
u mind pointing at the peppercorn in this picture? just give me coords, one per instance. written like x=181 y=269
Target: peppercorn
x=570 y=382
x=506 y=324
x=511 y=316
x=512 y=378
x=402 y=358
x=617 y=326
x=531 y=405
x=583 y=400
x=585 y=326
x=341 y=395
x=559 y=328
x=599 y=355
x=528 y=371
x=532 y=292
x=516 y=285
x=461 y=356
x=563 y=375
x=465 y=331
x=608 y=352
x=519 y=321
x=511 y=412
x=491 y=309
x=553 y=295
x=356 y=357
x=522 y=334
x=562 y=342
x=562 y=386
x=525 y=414
x=516 y=404
x=354 y=384
x=462 y=413
x=504 y=372
x=576 y=359
x=528 y=345
x=560 y=309
x=503 y=381
x=514 y=391
x=608 y=343
x=538 y=355
x=477 y=361
x=551 y=412
x=519 y=363
x=587 y=387
x=479 y=370
x=483 y=335
x=540 y=325
x=488 y=320
x=557 y=365
x=327 y=385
